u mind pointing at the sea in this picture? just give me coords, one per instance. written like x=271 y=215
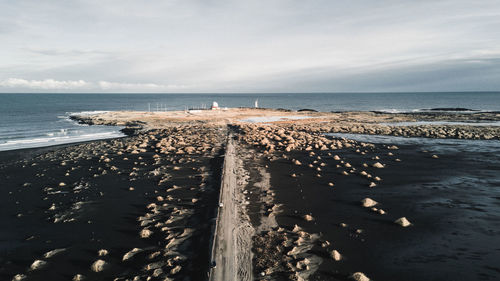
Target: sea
x=37 y=120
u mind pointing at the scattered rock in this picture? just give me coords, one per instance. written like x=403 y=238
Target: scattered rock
x=368 y=202
x=98 y=266
x=19 y=277
x=54 y=252
x=38 y=264
x=336 y=255
x=145 y=233
x=360 y=276
x=403 y=221
x=78 y=277
x=103 y=252
x=378 y=165
x=308 y=217
x=131 y=253
x=176 y=269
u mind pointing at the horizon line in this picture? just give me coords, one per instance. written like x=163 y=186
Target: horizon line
x=242 y=93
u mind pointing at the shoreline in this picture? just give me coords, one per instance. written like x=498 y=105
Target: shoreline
x=361 y=122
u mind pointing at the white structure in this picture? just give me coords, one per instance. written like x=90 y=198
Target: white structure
x=256 y=105
x=215 y=106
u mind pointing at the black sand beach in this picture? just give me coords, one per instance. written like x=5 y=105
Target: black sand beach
x=452 y=202
x=145 y=207
x=94 y=201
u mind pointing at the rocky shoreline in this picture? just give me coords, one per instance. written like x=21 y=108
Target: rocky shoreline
x=322 y=122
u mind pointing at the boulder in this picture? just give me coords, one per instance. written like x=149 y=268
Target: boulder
x=360 y=276
x=368 y=202
x=98 y=266
x=403 y=221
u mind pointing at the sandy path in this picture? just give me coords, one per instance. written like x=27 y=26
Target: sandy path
x=233 y=235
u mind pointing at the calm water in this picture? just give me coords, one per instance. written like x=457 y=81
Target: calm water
x=33 y=120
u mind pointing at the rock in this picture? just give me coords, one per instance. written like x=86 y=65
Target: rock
x=372 y=184
x=38 y=264
x=378 y=165
x=78 y=277
x=403 y=221
x=145 y=233
x=336 y=255
x=435 y=156
x=98 y=266
x=131 y=253
x=331 y=184
x=380 y=211
x=296 y=229
x=102 y=252
x=297 y=162
x=360 y=276
x=19 y=277
x=392 y=147
x=52 y=253
x=308 y=217
x=176 y=269
x=336 y=157
x=61 y=184
x=368 y=202
x=157 y=272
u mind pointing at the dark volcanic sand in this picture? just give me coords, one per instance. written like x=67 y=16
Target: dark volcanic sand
x=108 y=217
x=453 y=203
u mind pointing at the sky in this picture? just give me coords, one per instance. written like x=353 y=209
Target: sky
x=249 y=46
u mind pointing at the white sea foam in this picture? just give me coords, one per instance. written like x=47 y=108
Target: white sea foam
x=55 y=140
x=85 y=113
x=268 y=119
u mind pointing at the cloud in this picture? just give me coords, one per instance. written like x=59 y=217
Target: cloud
x=146 y=87
x=79 y=85
x=47 y=84
x=282 y=45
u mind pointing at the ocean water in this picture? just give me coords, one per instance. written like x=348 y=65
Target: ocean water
x=35 y=120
